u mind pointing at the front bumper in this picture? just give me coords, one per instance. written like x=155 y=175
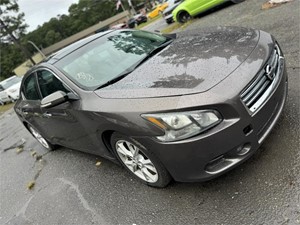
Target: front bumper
x=222 y=148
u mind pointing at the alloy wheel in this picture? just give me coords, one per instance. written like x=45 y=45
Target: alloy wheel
x=39 y=138
x=136 y=161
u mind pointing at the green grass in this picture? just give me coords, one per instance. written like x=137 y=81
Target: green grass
x=7 y=106
x=148 y=22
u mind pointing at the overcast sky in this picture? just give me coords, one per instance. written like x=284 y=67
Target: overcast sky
x=39 y=11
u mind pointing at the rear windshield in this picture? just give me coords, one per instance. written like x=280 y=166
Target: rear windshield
x=105 y=58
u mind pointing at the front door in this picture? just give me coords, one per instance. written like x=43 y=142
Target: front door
x=29 y=107
x=61 y=123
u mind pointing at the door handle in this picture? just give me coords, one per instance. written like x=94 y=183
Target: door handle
x=25 y=111
x=47 y=114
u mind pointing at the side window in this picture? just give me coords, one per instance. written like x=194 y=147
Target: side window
x=49 y=83
x=30 y=88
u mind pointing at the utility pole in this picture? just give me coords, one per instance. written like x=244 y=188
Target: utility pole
x=16 y=41
x=42 y=54
x=131 y=7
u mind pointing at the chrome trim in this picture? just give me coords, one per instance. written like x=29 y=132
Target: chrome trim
x=278 y=113
x=265 y=82
x=261 y=74
x=267 y=93
x=227 y=164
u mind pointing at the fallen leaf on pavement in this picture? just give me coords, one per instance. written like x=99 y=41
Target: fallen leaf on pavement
x=38 y=157
x=33 y=153
x=19 y=150
x=30 y=185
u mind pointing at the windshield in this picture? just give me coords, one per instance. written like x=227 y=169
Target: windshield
x=10 y=82
x=105 y=58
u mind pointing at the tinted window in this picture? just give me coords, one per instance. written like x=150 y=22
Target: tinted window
x=30 y=88
x=48 y=83
x=107 y=57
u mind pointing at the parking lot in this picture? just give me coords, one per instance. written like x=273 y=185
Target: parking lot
x=69 y=188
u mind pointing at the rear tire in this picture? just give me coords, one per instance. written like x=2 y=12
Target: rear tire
x=139 y=161
x=183 y=17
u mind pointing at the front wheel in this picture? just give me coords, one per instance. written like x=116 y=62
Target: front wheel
x=139 y=161
x=40 y=138
x=184 y=17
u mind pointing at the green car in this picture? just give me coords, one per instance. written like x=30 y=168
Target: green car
x=190 y=8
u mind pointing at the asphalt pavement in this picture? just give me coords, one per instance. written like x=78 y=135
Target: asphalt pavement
x=70 y=189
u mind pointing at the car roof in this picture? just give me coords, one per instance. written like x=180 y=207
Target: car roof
x=72 y=47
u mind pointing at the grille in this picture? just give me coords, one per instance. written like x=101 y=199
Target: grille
x=261 y=88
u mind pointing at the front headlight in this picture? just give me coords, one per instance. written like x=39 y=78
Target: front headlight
x=182 y=125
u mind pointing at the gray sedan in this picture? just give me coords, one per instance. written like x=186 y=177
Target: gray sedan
x=188 y=107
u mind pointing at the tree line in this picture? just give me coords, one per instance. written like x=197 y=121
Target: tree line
x=80 y=16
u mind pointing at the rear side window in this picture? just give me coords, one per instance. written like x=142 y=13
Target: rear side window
x=30 y=88
x=49 y=83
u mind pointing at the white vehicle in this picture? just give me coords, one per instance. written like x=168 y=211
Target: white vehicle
x=10 y=89
x=167 y=14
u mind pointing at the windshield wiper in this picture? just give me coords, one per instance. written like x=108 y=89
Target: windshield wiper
x=153 y=52
x=114 y=80
x=128 y=71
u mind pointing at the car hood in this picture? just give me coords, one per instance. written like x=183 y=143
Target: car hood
x=194 y=62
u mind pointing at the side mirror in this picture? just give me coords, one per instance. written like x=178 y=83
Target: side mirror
x=54 y=99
